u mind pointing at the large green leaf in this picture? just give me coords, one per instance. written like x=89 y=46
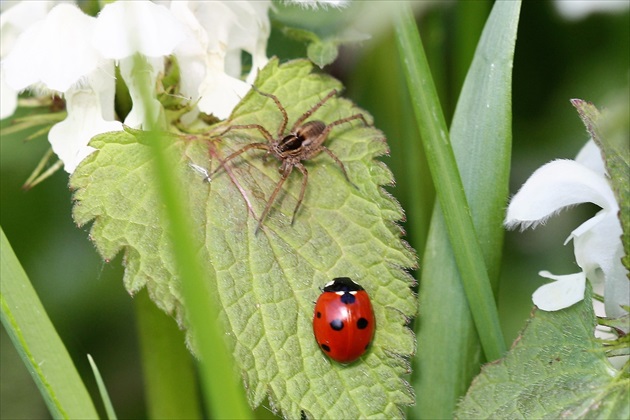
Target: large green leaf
x=556 y=369
x=267 y=282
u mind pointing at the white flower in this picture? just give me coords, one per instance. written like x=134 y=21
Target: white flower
x=55 y=54
x=125 y=28
x=16 y=18
x=597 y=242
x=210 y=59
x=62 y=51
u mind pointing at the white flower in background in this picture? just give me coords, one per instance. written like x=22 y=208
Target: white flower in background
x=14 y=20
x=56 y=55
x=319 y=3
x=125 y=28
x=53 y=48
x=579 y=9
x=86 y=108
x=597 y=242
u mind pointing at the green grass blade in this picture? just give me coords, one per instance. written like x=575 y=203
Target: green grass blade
x=481 y=138
x=107 y=402
x=223 y=394
x=449 y=187
x=171 y=386
x=37 y=342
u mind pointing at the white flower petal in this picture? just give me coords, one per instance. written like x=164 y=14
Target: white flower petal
x=210 y=59
x=191 y=53
x=8 y=98
x=579 y=9
x=139 y=114
x=126 y=27
x=565 y=291
x=598 y=252
x=17 y=18
x=55 y=51
x=86 y=107
x=552 y=187
x=591 y=157
x=220 y=93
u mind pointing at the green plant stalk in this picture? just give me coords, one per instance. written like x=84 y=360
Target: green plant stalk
x=481 y=141
x=37 y=342
x=102 y=389
x=169 y=374
x=223 y=394
x=449 y=187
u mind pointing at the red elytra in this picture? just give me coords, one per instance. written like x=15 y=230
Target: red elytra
x=343 y=322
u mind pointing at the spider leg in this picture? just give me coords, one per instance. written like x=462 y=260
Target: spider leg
x=340 y=163
x=266 y=134
x=302 y=191
x=333 y=124
x=285 y=118
x=312 y=110
x=285 y=175
x=240 y=151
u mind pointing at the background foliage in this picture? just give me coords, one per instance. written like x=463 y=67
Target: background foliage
x=555 y=60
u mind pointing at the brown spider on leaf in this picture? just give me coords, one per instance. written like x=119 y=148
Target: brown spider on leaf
x=304 y=141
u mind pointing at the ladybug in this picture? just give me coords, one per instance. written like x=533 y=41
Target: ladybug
x=343 y=322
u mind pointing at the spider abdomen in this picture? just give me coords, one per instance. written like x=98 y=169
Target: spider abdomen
x=310 y=131
x=307 y=136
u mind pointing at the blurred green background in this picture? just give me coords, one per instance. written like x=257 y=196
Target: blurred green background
x=556 y=60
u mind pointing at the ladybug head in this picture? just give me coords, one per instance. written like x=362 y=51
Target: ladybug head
x=342 y=284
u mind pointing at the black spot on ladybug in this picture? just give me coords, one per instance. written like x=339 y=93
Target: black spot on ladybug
x=336 y=324
x=348 y=298
x=362 y=323
x=319 y=314
x=325 y=347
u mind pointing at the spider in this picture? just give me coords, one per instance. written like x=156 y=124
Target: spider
x=303 y=142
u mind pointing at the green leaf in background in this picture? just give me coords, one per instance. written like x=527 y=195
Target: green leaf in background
x=267 y=282
x=481 y=135
x=610 y=130
x=38 y=344
x=322 y=50
x=556 y=369
x=322 y=53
